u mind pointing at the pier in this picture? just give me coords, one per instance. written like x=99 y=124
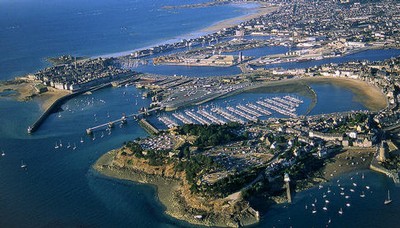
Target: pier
x=122 y=120
x=57 y=104
x=148 y=127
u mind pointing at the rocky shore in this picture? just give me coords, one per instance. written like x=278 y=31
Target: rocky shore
x=174 y=193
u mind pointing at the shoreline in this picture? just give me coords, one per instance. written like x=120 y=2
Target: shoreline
x=256 y=11
x=368 y=95
x=168 y=192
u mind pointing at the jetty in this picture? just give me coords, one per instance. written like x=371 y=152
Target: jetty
x=57 y=104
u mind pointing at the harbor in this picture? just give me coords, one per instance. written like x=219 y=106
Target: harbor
x=210 y=113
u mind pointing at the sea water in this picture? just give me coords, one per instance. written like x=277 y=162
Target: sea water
x=59 y=188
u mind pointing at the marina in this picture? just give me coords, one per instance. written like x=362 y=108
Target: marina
x=220 y=114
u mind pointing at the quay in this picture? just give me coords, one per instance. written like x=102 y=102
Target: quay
x=148 y=127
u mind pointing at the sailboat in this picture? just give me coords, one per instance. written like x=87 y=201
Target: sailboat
x=362 y=195
x=60 y=143
x=314 y=210
x=388 y=200
x=69 y=145
x=81 y=140
x=74 y=147
x=56 y=146
x=340 y=211
x=23 y=165
x=3 y=154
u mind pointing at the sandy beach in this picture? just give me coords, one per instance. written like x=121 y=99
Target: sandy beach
x=252 y=13
x=367 y=94
x=24 y=91
x=348 y=161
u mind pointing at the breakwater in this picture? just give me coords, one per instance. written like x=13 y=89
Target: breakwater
x=57 y=104
x=148 y=127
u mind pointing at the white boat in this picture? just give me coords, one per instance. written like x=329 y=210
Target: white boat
x=3 y=154
x=56 y=146
x=347 y=204
x=314 y=210
x=362 y=176
x=329 y=190
x=74 y=147
x=60 y=144
x=388 y=200
x=340 y=211
x=326 y=201
x=325 y=208
x=347 y=197
x=342 y=193
x=23 y=165
x=362 y=195
x=354 y=184
x=69 y=145
x=351 y=190
x=367 y=187
x=81 y=140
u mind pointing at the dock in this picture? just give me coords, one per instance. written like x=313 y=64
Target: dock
x=148 y=127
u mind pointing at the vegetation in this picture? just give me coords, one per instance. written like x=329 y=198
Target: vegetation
x=393 y=163
x=212 y=135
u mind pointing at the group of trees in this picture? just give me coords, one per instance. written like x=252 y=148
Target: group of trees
x=212 y=135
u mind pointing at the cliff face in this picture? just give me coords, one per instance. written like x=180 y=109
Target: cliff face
x=231 y=211
x=142 y=165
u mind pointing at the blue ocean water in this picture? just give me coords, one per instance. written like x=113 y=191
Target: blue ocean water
x=33 y=30
x=59 y=187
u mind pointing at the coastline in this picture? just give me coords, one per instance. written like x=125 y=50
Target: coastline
x=170 y=193
x=24 y=91
x=368 y=95
x=249 y=13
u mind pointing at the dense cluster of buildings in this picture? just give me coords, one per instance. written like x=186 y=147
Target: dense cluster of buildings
x=81 y=74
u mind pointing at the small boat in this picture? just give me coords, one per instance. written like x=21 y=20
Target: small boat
x=362 y=195
x=342 y=188
x=325 y=208
x=74 y=147
x=320 y=186
x=102 y=135
x=362 y=176
x=342 y=193
x=56 y=146
x=354 y=184
x=340 y=211
x=81 y=140
x=306 y=207
x=314 y=210
x=347 y=197
x=388 y=200
x=23 y=165
x=329 y=190
x=3 y=154
x=347 y=204
x=60 y=144
x=326 y=201
x=69 y=145
x=351 y=190
x=367 y=187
